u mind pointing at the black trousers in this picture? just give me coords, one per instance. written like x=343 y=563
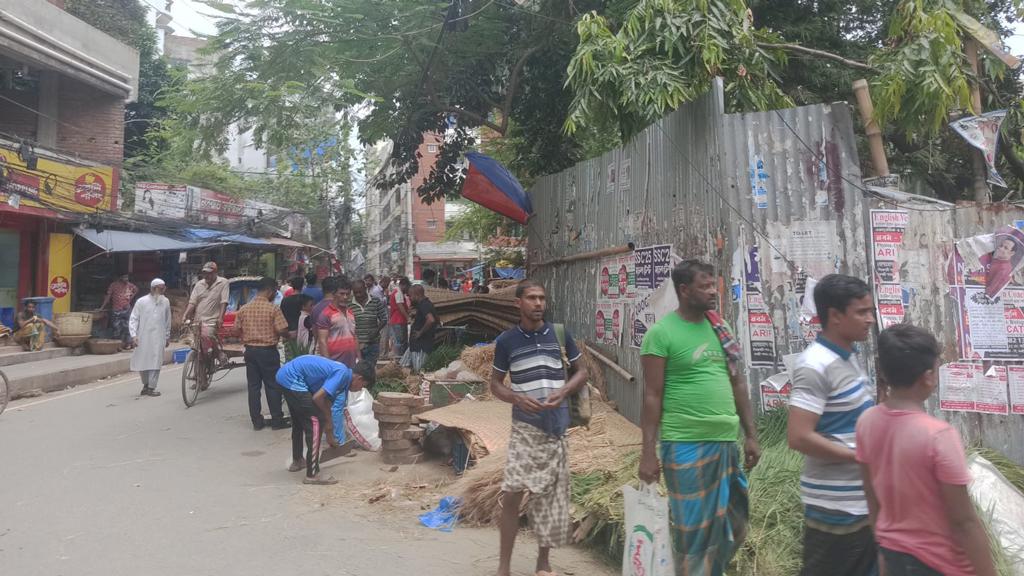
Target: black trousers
x=900 y=564
x=261 y=365
x=307 y=425
x=854 y=554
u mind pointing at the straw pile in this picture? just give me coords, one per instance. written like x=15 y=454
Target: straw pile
x=478 y=359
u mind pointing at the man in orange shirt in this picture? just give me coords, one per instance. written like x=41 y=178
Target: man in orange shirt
x=261 y=325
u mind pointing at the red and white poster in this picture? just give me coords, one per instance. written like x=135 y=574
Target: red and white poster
x=887 y=229
x=1015 y=377
x=775 y=392
x=608 y=322
x=616 y=278
x=761 y=331
x=966 y=387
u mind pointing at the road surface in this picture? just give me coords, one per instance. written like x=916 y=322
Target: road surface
x=98 y=481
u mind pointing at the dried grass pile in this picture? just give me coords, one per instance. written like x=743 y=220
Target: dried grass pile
x=392 y=372
x=478 y=359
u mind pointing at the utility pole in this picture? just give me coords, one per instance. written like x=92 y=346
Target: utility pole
x=982 y=193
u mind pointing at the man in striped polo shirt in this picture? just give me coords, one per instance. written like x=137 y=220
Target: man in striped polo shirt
x=830 y=391
x=538 y=458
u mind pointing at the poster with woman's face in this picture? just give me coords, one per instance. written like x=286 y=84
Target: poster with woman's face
x=1004 y=260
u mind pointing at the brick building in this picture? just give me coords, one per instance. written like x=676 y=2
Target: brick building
x=405 y=235
x=63 y=88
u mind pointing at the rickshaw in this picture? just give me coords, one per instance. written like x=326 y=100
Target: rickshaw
x=202 y=362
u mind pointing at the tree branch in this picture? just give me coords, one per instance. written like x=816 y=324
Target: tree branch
x=1012 y=159
x=513 y=85
x=818 y=54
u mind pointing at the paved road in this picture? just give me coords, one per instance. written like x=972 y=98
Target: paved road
x=98 y=481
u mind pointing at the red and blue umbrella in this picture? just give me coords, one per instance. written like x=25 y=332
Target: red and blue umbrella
x=492 y=186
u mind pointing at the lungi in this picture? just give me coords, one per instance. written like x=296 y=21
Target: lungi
x=708 y=504
x=538 y=463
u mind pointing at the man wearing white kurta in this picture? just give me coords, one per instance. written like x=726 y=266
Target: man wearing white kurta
x=150 y=329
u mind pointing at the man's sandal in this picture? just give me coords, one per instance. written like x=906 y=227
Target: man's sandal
x=320 y=481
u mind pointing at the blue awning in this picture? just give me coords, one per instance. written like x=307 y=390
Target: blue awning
x=222 y=236
x=121 y=241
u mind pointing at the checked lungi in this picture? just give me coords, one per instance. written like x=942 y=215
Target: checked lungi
x=538 y=463
x=707 y=503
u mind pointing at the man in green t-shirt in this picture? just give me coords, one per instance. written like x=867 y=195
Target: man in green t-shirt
x=694 y=393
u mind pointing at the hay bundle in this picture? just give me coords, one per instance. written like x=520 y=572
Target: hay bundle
x=392 y=372
x=595 y=371
x=478 y=359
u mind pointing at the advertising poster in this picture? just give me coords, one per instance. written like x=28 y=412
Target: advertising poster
x=982 y=132
x=774 y=397
x=982 y=274
x=625 y=174
x=612 y=177
x=616 y=278
x=887 y=229
x=57 y=184
x=608 y=323
x=650 y=308
x=653 y=265
x=809 y=244
x=966 y=387
x=761 y=332
x=759 y=183
x=162 y=200
x=1015 y=378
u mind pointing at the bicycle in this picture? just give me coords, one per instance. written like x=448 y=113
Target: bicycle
x=201 y=364
x=5 y=391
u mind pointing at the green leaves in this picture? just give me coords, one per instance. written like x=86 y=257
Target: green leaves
x=665 y=53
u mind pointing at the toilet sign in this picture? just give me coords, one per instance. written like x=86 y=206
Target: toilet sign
x=59 y=287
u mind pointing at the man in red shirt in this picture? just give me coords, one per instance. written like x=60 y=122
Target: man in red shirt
x=398 y=305
x=120 y=295
x=336 y=325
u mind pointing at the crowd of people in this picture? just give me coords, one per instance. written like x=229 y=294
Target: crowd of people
x=884 y=486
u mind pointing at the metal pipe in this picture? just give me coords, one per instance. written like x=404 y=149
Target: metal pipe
x=588 y=255
x=615 y=367
x=871 y=129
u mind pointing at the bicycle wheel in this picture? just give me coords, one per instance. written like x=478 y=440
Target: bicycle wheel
x=193 y=376
x=5 y=392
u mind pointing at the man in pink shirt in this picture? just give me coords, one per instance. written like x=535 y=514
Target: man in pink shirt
x=915 y=471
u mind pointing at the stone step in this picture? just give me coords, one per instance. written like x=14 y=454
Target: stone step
x=69 y=371
x=19 y=356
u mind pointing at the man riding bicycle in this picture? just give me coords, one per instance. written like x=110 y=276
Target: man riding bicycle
x=207 y=303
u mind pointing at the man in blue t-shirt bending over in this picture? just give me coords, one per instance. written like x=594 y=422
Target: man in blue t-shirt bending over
x=316 y=389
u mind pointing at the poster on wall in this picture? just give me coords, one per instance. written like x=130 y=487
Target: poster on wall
x=773 y=396
x=809 y=244
x=616 y=278
x=1015 y=380
x=983 y=276
x=887 y=229
x=649 y=309
x=761 y=332
x=653 y=265
x=608 y=323
x=982 y=132
x=967 y=387
x=625 y=174
x=613 y=171
x=759 y=183
x=162 y=200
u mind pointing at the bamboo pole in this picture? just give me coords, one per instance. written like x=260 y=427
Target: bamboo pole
x=871 y=129
x=587 y=255
x=982 y=194
x=615 y=367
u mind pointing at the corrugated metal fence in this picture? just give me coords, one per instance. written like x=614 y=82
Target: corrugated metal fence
x=689 y=180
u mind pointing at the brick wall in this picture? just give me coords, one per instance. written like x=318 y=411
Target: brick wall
x=14 y=119
x=428 y=220
x=92 y=122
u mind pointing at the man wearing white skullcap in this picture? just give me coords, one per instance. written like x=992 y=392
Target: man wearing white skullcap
x=150 y=329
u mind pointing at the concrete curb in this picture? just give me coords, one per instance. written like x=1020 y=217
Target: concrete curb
x=62 y=373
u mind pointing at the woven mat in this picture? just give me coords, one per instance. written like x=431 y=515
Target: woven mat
x=490 y=421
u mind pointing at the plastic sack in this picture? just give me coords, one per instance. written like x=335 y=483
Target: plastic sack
x=648 y=546
x=360 y=422
x=1002 y=506
x=445 y=516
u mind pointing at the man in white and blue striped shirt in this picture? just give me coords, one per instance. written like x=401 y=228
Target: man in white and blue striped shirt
x=538 y=460
x=830 y=391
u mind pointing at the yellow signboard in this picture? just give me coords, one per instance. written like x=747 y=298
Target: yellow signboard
x=59 y=277
x=56 y=185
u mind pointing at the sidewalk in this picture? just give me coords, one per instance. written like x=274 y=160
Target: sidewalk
x=53 y=374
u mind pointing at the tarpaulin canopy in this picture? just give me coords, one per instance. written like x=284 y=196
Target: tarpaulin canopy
x=222 y=236
x=121 y=241
x=492 y=186
x=510 y=273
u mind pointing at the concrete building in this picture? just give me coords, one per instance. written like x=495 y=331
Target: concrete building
x=63 y=89
x=404 y=234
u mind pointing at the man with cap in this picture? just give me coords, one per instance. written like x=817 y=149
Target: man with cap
x=208 y=301
x=150 y=330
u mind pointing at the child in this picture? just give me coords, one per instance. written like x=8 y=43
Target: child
x=915 y=471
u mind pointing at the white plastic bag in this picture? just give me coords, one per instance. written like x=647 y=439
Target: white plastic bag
x=360 y=422
x=648 y=545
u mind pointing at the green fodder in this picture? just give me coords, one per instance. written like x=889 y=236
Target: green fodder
x=775 y=532
x=1010 y=470
x=771 y=427
x=388 y=385
x=441 y=357
x=597 y=497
